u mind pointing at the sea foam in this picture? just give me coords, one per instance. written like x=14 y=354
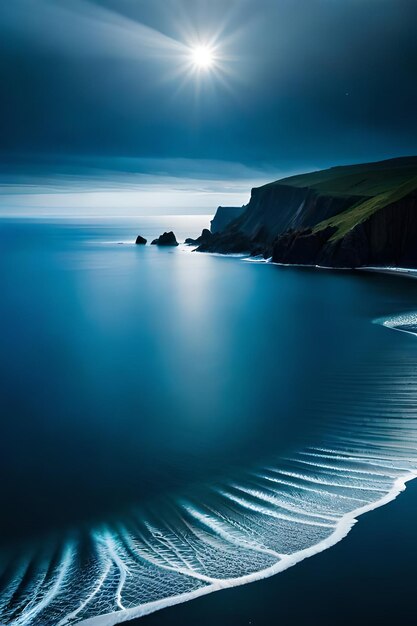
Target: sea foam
x=237 y=529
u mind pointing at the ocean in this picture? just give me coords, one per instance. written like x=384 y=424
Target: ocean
x=175 y=423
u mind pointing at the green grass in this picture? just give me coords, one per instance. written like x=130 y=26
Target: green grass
x=371 y=186
x=367 y=180
x=362 y=210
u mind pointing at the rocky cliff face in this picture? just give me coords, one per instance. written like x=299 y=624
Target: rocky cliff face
x=326 y=223
x=387 y=238
x=224 y=215
x=260 y=223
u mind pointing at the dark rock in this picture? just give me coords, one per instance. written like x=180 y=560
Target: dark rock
x=140 y=240
x=300 y=247
x=289 y=219
x=167 y=239
x=224 y=216
x=230 y=242
x=388 y=237
x=205 y=237
x=274 y=211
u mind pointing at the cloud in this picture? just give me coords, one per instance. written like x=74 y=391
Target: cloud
x=309 y=84
x=127 y=186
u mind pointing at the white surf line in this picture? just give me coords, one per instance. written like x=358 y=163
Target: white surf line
x=148 y=547
x=218 y=527
x=108 y=541
x=362 y=454
x=389 y=469
x=27 y=616
x=230 y=531
x=344 y=456
x=33 y=589
x=317 y=481
x=293 y=501
x=342 y=529
x=257 y=259
x=13 y=586
x=274 y=500
x=170 y=568
x=289 y=483
x=209 y=538
x=165 y=541
x=188 y=567
x=402 y=330
x=265 y=511
x=379 y=462
x=85 y=602
x=240 y=528
x=344 y=472
x=334 y=469
x=189 y=552
x=156 y=560
x=372 y=481
x=148 y=552
x=383 y=462
x=188 y=539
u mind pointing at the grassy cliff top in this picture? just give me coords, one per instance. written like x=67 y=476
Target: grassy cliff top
x=362 y=210
x=368 y=179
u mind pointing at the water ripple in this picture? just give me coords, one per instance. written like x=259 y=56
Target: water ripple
x=236 y=530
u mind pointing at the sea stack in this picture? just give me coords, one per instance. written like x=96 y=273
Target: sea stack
x=203 y=238
x=167 y=239
x=141 y=241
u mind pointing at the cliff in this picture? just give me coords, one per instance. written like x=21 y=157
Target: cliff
x=347 y=216
x=224 y=215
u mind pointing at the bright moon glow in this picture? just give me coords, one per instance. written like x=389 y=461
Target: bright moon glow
x=202 y=57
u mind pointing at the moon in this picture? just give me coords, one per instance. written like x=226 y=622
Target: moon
x=202 y=57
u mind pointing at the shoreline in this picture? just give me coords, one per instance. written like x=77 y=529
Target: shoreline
x=245 y=256
x=365 y=579
x=342 y=530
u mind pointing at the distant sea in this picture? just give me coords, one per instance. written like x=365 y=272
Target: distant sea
x=175 y=423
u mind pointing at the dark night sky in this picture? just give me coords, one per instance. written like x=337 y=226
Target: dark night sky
x=300 y=84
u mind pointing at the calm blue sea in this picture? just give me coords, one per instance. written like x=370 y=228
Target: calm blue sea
x=173 y=423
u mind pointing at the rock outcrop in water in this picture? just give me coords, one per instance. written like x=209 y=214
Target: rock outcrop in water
x=205 y=237
x=166 y=239
x=141 y=241
x=348 y=216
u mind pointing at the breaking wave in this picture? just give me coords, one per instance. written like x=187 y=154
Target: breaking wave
x=405 y=322
x=254 y=524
